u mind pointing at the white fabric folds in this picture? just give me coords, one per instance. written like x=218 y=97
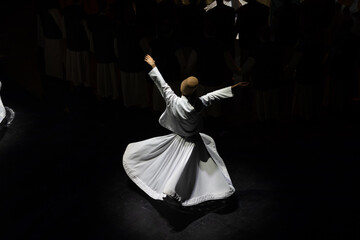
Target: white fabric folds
x=184 y=164
x=78 y=67
x=107 y=79
x=134 y=88
x=2 y=108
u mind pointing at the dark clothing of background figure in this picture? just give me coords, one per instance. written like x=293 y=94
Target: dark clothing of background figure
x=285 y=23
x=51 y=29
x=164 y=45
x=267 y=70
x=213 y=70
x=134 y=25
x=189 y=25
x=222 y=19
x=103 y=32
x=76 y=37
x=250 y=19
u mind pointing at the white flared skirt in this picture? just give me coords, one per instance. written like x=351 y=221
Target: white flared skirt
x=2 y=109
x=189 y=169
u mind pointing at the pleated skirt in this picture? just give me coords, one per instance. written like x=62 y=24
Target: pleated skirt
x=78 y=67
x=2 y=109
x=108 y=80
x=187 y=169
x=135 y=89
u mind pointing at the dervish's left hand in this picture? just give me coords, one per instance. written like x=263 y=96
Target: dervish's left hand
x=150 y=61
x=241 y=84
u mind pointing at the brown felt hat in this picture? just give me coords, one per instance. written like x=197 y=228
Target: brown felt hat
x=189 y=85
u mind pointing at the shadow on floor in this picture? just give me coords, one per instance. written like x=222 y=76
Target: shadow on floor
x=179 y=217
x=3 y=131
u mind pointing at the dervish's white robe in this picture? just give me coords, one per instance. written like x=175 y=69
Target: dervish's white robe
x=184 y=164
x=2 y=108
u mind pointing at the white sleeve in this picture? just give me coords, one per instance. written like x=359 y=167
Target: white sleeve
x=211 y=97
x=2 y=109
x=165 y=90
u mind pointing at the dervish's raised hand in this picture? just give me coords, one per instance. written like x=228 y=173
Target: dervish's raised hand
x=241 y=84
x=150 y=61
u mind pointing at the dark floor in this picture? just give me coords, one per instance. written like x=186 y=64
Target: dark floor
x=61 y=176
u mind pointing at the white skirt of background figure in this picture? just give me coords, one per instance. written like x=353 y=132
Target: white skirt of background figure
x=184 y=164
x=6 y=113
x=135 y=89
x=304 y=101
x=77 y=64
x=267 y=104
x=107 y=78
x=78 y=67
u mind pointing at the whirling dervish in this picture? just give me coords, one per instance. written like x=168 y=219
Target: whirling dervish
x=184 y=165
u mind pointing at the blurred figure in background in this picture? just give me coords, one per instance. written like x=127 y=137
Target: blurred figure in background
x=78 y=45
x=52 y=29
x=135 y=24
x=103 y=35
x=266 y=77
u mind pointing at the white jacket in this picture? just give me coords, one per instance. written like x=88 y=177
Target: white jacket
x=180 y=116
